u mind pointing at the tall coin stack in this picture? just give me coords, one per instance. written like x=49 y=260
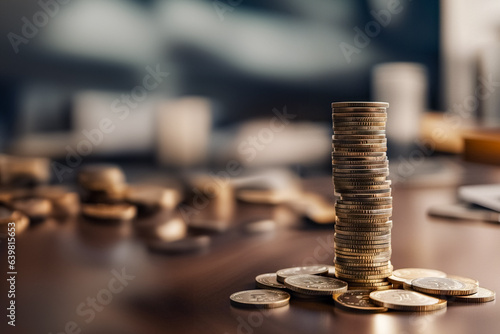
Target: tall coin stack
x=364 y=208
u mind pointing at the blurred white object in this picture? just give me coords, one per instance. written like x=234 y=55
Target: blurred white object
x=183 y=127
x=111 y=125
x=113 y=30
x=404 y=86
x=274 y=142
x=466 y=27
x=486 y=195
x=490 y=66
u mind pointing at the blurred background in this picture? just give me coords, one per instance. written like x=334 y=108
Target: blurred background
x=222 y=67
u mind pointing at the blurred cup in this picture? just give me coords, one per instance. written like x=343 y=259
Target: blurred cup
x=183 y=128
x=404 y=86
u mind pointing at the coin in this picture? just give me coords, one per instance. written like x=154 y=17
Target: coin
x=400 y=276
x=260 y=298
x=315 y=285
x=34 y=207
x=464 y=279
x=360 y=136
x=9 y=217
x=312 y=270
x=356 y=124
x=100 y=176
x=150 y=198
x=267 y=281
x=443 y=286
x=359 y=117
x=363 y=234
x=370 y=288
x=482 y=295
x=109 y=211
x=404 y=300
x=359 y=132
x=358 y=300
x=352 y=104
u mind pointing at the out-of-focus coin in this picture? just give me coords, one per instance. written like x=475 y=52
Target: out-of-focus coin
x=150 y=198
x=443 y=286
x=400 y=276
x=311 y=270
x=482 y=295
x=185 y=245
x=357 y=300
x=315 y=285
x=9 y=219
x=266 y=196
x=260 y=226
x=15 y=170
x=267 y=281
x=64 y=202
x=97 y=176
x=404 y=300
x=35 y=208
x=261 y=298
x=109 y=211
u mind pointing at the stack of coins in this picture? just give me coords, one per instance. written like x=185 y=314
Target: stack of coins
x=102 y=183
x=364 y=208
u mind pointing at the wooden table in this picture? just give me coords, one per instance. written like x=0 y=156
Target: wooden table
x=61 y=264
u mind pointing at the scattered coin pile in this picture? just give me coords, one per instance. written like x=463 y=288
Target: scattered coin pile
x=421 y=293
x=364 y=208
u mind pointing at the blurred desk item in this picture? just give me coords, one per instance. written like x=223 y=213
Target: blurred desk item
x=113 y=123
x=444 y=131
x=464 y=211
x=487 y=195
x=482 y=146
x=183 y=128
x=404 y=86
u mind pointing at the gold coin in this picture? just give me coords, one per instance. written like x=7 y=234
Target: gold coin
x=363 y=280
x=366 y=132
x=315 y=285
x=261 y=298
x=404 y=300
x=282 y=274
x=363 y=233
x=109 y=211
x=34 y=207
x=482 y=295
x=370 y=288
x=362 y=207
x=360 y=136
x=464 y=279
x=443 y=286
x=10 y=219
x=400 y=276
x=368 y=285
x=340 y=122
x=267 y=281
x=345 y=117
x=357 y=300
x=354 y=104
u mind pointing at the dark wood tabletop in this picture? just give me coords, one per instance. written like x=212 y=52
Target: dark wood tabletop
x=60 y=264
